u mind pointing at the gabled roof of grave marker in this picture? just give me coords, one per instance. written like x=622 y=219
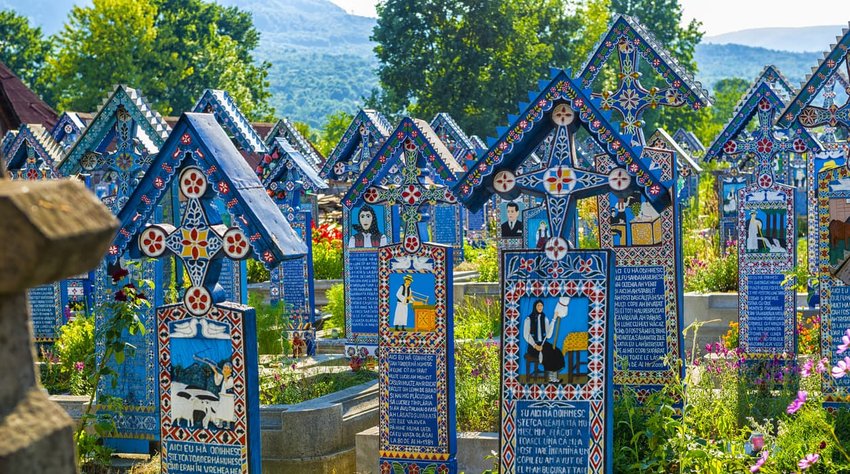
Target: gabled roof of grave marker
x=814 y=81
x=680 y=81
x=69 y=124
x=769 y=85
x=220 y=104
x=479 y=144
x=377 y=125
x=523 y=135
x=662 y=139
x=151 y=130
x=47 y=151
x=231 y=179
x=433 y=155
x=465 y=148
x=282 y=157
x=7 y=142
x=285 y=129
x=689 y=141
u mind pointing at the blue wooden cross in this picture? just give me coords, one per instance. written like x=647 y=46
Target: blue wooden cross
x=560 y=182
x=125 y=164
x=410 y=195
x=197 y=242
x=764 y=144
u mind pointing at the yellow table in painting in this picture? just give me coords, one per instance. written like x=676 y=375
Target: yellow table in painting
x=425 y=317
x=646 y=232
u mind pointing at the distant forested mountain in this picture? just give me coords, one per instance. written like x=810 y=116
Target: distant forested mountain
x=323 y=61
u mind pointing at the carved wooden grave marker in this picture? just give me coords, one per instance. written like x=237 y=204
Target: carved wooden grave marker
x=112 y=153
x=766 y=231
x=833 y=193
x=234 y=273
x=288 y=176
x=556 y=393
x=642 y=225
x=207 y=347
x=415 y=326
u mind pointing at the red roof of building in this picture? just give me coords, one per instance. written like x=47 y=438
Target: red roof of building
x=18 y=104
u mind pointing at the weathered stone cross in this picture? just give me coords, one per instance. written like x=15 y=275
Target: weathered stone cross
x=561 y=183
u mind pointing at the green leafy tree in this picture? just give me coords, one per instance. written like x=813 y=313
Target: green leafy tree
x=170 y=49
x=23 y=47
x=436 y=57
x=727 y=93
x=337 y=124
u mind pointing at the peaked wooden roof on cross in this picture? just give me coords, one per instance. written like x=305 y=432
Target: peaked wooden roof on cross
x=67 y=129
x=285 y=129
x=687 y=140
x=220 y=104
x=518 y=141
x=426 y=169
x=138 y=132
x=764 y=143
x=199 y=141
x=33 y=154
x=365 y=135
x=287 y=175
x=800 y=107
x=455 y=139
x=631 y=99
x=765 y=87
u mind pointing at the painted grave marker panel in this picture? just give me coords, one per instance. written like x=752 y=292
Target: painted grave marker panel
x=415 y=357
x=45 y=302
x=557 y=362
x=555 y=321
x=834 y=248
x=647 y=283
x=364 y=232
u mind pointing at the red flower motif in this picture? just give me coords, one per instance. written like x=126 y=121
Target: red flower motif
x=764 y=145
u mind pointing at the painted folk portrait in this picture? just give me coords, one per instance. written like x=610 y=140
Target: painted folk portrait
x=554 y=339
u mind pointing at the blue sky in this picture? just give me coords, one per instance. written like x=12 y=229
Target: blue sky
x=717 y=15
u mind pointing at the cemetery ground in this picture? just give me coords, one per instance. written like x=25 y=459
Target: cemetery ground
x=709 y=427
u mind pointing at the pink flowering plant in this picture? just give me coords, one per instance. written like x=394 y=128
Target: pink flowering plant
x=737 y=415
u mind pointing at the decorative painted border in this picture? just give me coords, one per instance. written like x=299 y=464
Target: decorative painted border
x=767 y=264
x=439 y=342
x=663 y=255
x=836 y=391
x=238 y=317
x=581 y=272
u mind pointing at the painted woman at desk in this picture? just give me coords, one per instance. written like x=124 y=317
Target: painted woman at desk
x=537 y=329
x=367 y=234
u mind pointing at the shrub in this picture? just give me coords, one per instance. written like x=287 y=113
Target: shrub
x=327 y=252
x=271 y=326
x=478 y=318
x=477 y=372
x=257 y=273
x=484 y=260
x=286 y=386
x=74 y=351
x=808 y=334
x=720 y=274
x=336 y=306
